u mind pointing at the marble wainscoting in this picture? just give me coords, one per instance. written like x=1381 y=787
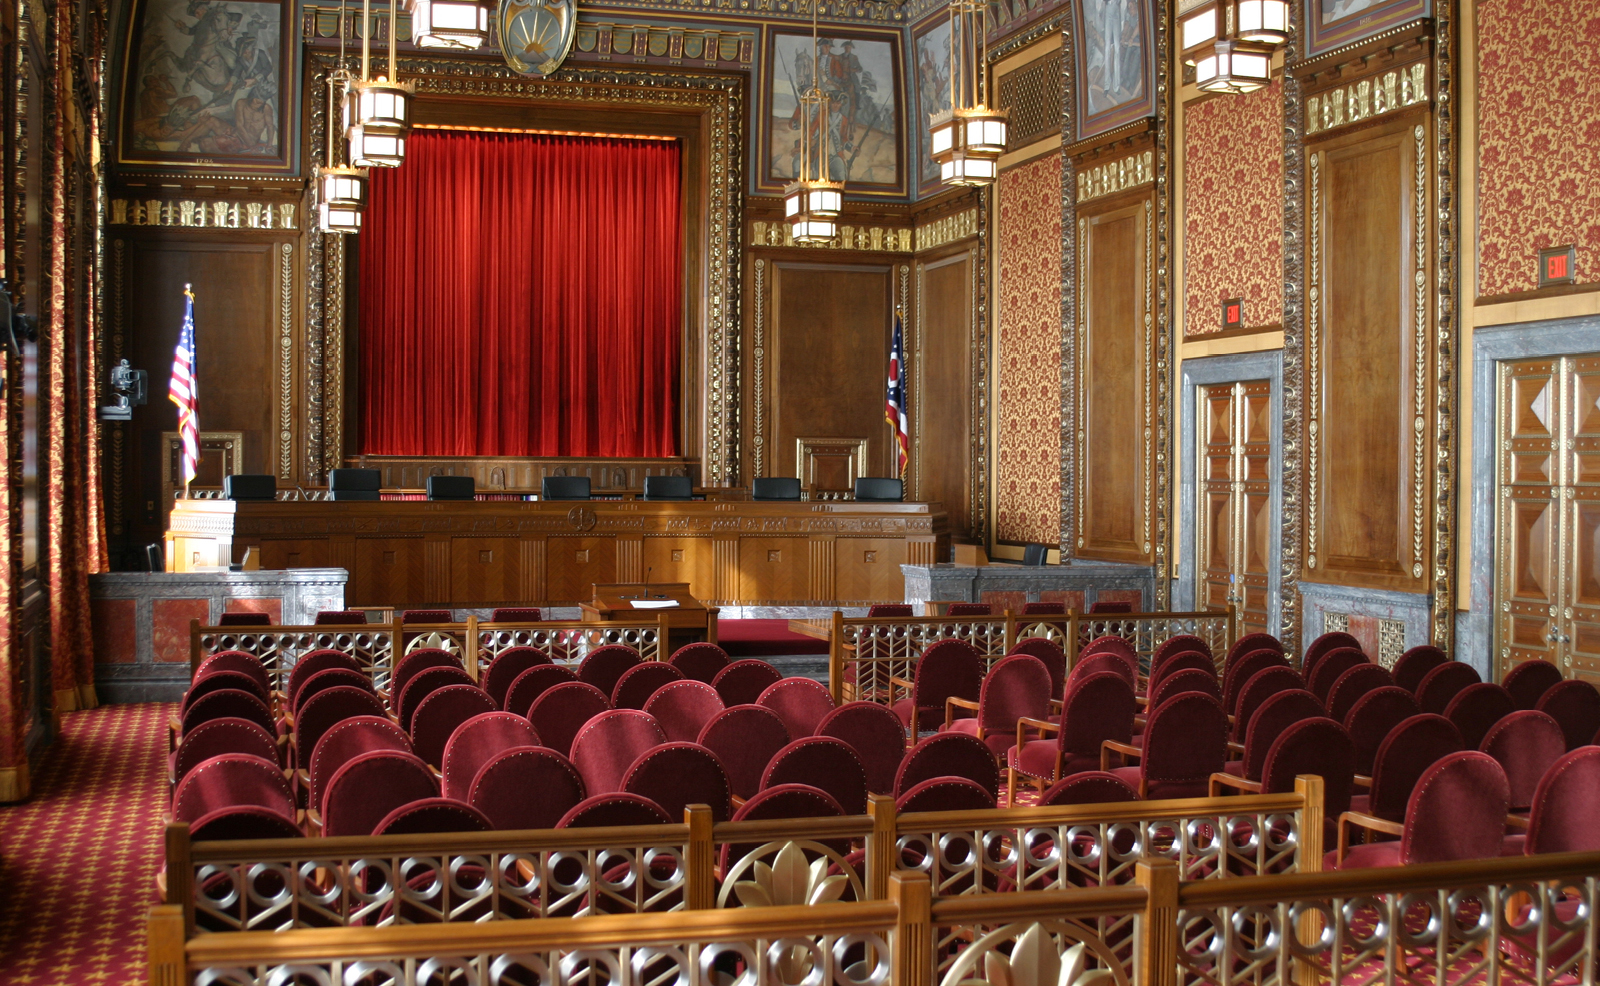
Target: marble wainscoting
x=141 y=620
x=1387 y=623
x=1079 y=585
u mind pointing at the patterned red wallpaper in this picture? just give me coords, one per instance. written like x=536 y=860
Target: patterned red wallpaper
x=1538 y=128
x=1233 y=204
x=1028 y=471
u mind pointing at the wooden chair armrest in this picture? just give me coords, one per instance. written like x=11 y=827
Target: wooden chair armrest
x=1518 y=822
x=1234 y=781
x=1108 y=747
x=736 y=801
x=951 y=704
x=1057 y=705
x=897 y=680
x=1362 y=780
x=1042 y=725
x=1236 y=748
x=313 y=823
x=1362 y=820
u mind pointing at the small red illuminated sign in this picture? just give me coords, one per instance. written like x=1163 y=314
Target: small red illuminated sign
x=1232 y=313
x=1557 y=265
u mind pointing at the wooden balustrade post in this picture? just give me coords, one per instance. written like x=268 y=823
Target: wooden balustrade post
x=164 y=941
x=1010 y=637
x=663 y=635
x=1155 y=957
x=1313 y=814
x=912 y=962
x=881 y=848
x=711 y=624
x=180 y=873
x=194 y=647
x=836 y=658
x=474 y=655
x=1071 y=643
x=700 y=880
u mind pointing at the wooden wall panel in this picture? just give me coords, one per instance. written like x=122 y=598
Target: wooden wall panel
x=670 y=559
x=942 y=405
x=486 y=571
x=1116 y=338
x=574 y=564
x=386 y=570
x=774 y=568
x=1367 y=364
x=869 y=568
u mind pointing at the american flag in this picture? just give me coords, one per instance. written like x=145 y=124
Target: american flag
x=897 y=407
x=184 y=391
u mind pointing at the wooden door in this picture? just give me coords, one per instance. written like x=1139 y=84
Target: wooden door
x=1233 y=547
x=1547 y=566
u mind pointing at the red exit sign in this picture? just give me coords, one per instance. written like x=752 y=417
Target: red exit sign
x=1558 y=265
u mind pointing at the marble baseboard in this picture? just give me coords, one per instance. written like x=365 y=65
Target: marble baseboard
x=1079 y=584
x=1387 y=623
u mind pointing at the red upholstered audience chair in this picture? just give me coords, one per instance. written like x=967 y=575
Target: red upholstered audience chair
x=440 y=714
x=413 y=664
x=1017 y=687
x=890 y=610
x=562 y=710
x=344 y=741
x=1177 y=644
x=425 y=683
x=367 y=788
x=1319 y=648
x=1097 y=708
x=947 y=669
x=1331 y=668
x=532 y=683
x=1249 y=644
x=1442 y=684
x=742 y=682
x=526 y=788
x=949 y=755
x=877 y=736
x=1242 y=670
x=616 y=808
x=1277 y=713
x=1044 y=609
x=1525 y=744
x=477 y=741
x=745 y=738
x=782 y=802
x=1108 y=642
x=229 y=703
x=1187 y=680
x=310 y=664
x=1262 y=685
x=430 y=815
x=341 y=617
x=1456 y=812
x=1414 y=665
x=1529 y=680
x=1565 y=807
x=426 y=616
x=1111 y=606
x=640 y=682
x=1183 y=660
x=322 y=710
x=244 y=620
x=1091 y=787
x=324 y=680
x=609 y=743
x=1575 y=704
x=1354 y=683
x=230 y=781
x=682 y=708
x=243 y=822
x=219 y=679
x=699 y=662
x=507 y=665
x=605 y=665
x=676 y=775
x=1317 y=745
x=1476 y=708
x=1407 y=752
x=237 y=660
x=1101 y=663
x=824 y=763
x=1050 y=652
x=969 y=609
x=801 y=703
x=945 y=794
x=1368 y=722
x=1185 y=742
x=220 y=736
x=516 y=614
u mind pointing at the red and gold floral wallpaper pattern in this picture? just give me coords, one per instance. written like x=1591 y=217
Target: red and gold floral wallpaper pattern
x=1233 y=203
x=1538 y=128
x=1028 y=473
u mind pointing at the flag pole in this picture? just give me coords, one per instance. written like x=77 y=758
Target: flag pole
x=188 y=294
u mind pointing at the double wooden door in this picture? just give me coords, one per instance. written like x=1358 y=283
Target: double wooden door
x=1547 y=551
x=1233 y=544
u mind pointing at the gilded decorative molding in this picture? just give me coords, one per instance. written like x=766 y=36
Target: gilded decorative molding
x=711 y=47
x=1070 y=281
x=1116 y=176
x=1391 y=642
x=333 y=376
x=286 y=362
x=1335 y=622
x=1149 y=347
x=1368 y=98
x=947 y=229
x=758 y=440
x=1447 y=312
x=978 y=403
x=914 y=374
x=1291 y=523
x=1166 y=95
x=1313 y=347
x=908 y=324
x=204 y=214
x=999 y=51
x=1079 y=438
x=887 y=239
x=1419 y=346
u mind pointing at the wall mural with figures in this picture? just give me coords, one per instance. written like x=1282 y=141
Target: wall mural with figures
x=207 y=85
x=932 y=53
x=860 y=76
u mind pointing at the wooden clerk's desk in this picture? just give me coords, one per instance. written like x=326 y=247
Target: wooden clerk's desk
x=409 y=553
x=688 y=621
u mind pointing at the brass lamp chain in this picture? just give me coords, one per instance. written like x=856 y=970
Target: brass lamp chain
x=366 y=40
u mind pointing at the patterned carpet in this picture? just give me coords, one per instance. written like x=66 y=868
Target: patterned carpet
x=78 y=860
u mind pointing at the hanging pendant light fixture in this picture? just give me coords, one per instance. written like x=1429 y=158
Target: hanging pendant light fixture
x=1234 y=67
x=459 y=24
x=1263 y=21
x=813 y=201
x=967 y=140
x=377 y=112
x=341 y=189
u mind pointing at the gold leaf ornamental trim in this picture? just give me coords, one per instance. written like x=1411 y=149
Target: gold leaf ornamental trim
x=1446 y=355
x=947 y=229
x=203 y=215
x=1116 y=176
x=1081 y=399
x=758 y=441
x=905 y=316
x=1148 y=464
x=286 y=362
x=1368 y=98
x=914 y=467
x=886 y=239
x=1420 y=361
x=1313 y=334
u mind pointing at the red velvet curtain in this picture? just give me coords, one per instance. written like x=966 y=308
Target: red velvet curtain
x=521 y=294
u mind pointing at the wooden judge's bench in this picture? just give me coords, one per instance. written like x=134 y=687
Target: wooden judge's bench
x=497 y=552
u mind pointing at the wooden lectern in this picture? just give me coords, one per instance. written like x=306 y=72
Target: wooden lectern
x=689 y=621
